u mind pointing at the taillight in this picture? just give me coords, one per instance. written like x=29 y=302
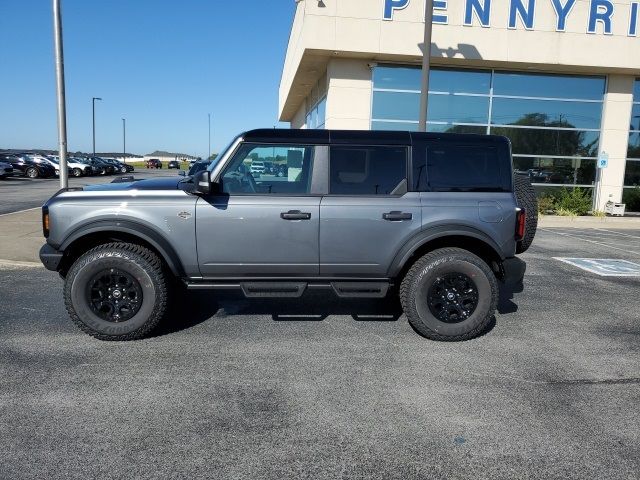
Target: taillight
x=45 y=222
x=521 y=223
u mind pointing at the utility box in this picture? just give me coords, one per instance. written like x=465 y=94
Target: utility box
x=615 y=209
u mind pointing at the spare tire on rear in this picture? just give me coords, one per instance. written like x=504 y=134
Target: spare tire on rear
x=526 y=197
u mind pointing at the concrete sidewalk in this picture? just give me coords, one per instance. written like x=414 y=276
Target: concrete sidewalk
x=21 y=238
x=21 y=233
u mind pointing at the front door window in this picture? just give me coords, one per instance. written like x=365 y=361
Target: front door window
x=269 y=170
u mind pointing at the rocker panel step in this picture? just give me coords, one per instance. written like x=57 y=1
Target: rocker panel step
x=273 y=289
x=361 y=289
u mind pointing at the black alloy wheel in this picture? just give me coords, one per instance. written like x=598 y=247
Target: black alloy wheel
x=114 y=295
x=453 y=297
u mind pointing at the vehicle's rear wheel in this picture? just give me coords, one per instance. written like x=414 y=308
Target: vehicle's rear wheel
x=32 y=172
x=123 y=169
x=450 y=295
x=527 y=199
x=117 y=291
x=77 y=172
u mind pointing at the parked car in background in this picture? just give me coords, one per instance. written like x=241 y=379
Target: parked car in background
x=257 y=168
x=119 y=166
x=280 y=170
x=108 y=168
x=154 y=163
x=174 y=164
x=6 y=170
x=199 y=166
x=74 y=168
x=28 y=168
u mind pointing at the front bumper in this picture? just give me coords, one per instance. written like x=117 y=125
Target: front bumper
x=50 y=257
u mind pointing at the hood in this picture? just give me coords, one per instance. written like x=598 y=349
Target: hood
x=165 y=183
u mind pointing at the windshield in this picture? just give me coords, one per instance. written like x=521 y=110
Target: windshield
x=222 y=153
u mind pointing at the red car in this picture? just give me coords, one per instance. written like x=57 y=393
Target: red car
x=154 y=163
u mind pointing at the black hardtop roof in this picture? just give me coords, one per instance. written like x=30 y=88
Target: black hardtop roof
x=370 y=137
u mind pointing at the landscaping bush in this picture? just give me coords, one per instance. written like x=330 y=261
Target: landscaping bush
x=575 y=200
x=546 y=204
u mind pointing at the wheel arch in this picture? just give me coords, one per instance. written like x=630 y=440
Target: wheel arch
x=96 y=233
x=467 y=238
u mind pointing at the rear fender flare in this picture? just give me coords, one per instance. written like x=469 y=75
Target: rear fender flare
x=425 y=236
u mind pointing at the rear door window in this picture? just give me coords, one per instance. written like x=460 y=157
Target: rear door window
x=367 y=170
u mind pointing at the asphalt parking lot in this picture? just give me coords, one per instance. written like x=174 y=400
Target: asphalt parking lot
x=316 y=388
x=21 y=193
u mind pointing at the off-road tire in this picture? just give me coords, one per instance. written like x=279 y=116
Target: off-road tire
x=526 y=197
x=76 y=172
x=421 y=276
x=139 y=262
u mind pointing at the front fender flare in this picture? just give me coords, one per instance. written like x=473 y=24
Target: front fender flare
x=148 y=234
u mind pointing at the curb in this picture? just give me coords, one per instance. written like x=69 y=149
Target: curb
x=18 y=264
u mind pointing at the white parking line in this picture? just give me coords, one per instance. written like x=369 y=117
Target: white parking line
x=618 y=233
x=20 y=211
x=591 y=241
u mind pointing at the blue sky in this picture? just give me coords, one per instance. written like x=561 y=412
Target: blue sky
x=161 y=64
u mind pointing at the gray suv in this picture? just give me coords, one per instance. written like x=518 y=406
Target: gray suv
x=434 y=218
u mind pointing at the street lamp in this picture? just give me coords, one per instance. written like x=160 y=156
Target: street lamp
x=60 y=95
x=209 y=151
x=124 y=140
x=426 y=63
x=93 y=104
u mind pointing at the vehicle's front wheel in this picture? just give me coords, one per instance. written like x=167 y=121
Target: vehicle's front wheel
x=77 y=172
x=32 y=172
x=450 y=294
x=117 y=291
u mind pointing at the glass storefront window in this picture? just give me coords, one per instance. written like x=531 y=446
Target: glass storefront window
x=458 y=109
x=396 y=106
x=567 y=171
x=636 y=91
x=635 y=117
x=548 y=86
x=566 y=143
x=634 y=145
x=459 y=81
x=397 y=78
x=546 y=113
x=632 y=173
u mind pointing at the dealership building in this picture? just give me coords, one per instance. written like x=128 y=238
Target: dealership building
x=560 y=78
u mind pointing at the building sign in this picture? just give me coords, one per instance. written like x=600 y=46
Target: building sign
x=522 y=14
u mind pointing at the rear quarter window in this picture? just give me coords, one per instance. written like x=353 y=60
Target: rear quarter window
x=462 y=167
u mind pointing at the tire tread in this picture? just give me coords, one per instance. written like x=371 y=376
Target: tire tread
x=418 y=266
x=157 y=272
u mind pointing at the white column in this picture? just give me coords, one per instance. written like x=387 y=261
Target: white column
x=614 y=138
x=349 y=95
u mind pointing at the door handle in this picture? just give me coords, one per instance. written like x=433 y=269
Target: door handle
x=397 y=216
x=295 y=215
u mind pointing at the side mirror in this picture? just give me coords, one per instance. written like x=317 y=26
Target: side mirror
x=202 y=182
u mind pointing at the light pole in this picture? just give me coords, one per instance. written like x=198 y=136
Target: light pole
x=60 y=95
x=209 y=151
x=124 y=140
x=426 y=63
x=93 y=104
